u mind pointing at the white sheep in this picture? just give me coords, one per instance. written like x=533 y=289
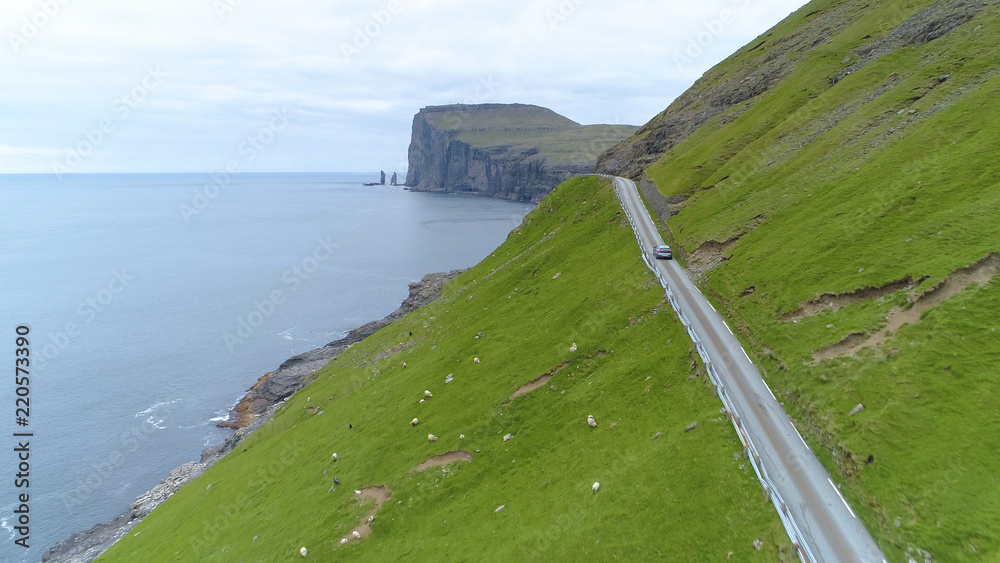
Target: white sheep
x=596 y=487
x=573 y=347
x=475 y=360
x=404 y=364
x=432 y=438
x=303 y=552
x=334 y=456
x=428 y=394
x=421 y=400
x=356 y=534
x=343 y=541
x=414 y=422
x=591 y=421
x=507 y=437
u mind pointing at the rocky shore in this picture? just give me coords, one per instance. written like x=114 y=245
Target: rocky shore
x=253 y=410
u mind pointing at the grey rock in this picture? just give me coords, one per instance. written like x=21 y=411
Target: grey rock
x=858 y=408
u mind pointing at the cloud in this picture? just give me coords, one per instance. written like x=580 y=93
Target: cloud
x=349 y=71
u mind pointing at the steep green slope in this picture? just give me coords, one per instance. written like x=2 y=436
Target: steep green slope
x=846 y=215
x=571 y=274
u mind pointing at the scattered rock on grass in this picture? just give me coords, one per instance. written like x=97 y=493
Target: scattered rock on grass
x=757 y=544
x=691 y=427
x=858 y=408
x=499 y=508
x=507 y=437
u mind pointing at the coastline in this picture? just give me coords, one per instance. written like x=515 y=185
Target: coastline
x=261 y=401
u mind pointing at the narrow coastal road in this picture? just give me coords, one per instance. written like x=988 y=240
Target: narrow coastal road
x=811 y=507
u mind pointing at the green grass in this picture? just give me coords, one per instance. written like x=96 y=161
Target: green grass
x=578 y=144
x=851 y=190
x=685 y=496
x=459 y=117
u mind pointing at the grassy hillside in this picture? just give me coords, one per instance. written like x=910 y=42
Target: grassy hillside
x=459 y=117
x=851 y=210
x=559 y=146
x=571 y=274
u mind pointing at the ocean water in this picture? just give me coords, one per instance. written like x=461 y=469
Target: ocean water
x=154 y=301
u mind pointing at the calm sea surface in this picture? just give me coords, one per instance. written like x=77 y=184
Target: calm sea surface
x=154 y=302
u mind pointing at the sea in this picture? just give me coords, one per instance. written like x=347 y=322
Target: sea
x=149 y=303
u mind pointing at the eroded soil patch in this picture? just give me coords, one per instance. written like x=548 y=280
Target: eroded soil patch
x=538 y=381
x=712 y=253
x=443 y=459
x=837 y=301
x=380 y=494
x=979 y=273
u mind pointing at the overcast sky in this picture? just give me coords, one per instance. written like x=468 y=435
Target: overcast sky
x=310 y=85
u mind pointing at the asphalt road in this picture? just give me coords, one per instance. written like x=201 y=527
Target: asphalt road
x=828 y=529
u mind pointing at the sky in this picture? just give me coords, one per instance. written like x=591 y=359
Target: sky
x=329 y=86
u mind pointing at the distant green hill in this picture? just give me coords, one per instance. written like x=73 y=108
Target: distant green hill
x=835 y=183
x=512 y=151
x=503 y=335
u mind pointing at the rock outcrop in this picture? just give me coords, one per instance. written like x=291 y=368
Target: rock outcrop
x=512 y=151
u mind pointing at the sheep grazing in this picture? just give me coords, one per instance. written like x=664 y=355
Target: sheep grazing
x=334 y=456
x=356 y=534
x=303 y=552
x=404 y=364
x=432 y=438
x=507 y=437
x=428 y=394
x=421 y=400
x=596 y=487
x=573 y=347
x=475 y=360
x=414 y=422
x=343 y=541
x=591 y=421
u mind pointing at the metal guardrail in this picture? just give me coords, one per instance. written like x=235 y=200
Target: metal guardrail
x=787 y=520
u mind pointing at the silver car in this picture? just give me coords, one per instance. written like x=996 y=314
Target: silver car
x=663 y=251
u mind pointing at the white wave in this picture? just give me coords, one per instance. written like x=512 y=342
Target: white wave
x=287 y=334
x=155 y=415
x=156 y=407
